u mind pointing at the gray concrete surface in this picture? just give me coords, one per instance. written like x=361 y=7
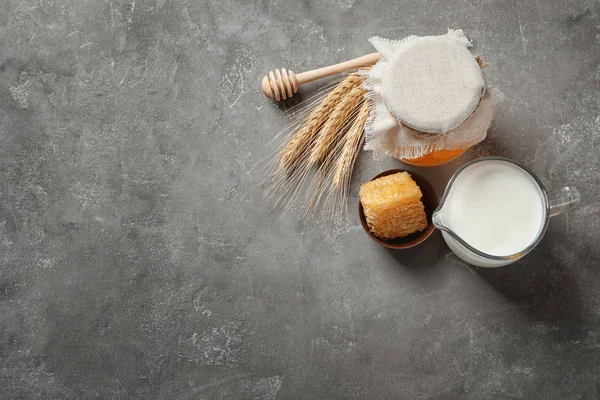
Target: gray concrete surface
x=138 y=262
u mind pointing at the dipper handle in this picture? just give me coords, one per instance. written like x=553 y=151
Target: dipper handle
x=282 y=84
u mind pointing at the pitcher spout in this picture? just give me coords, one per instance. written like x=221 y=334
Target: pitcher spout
x=438 y=219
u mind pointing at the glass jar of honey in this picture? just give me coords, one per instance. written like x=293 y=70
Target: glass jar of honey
x=429 y=99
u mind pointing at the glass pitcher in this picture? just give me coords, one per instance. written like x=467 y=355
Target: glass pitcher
x=553 y=203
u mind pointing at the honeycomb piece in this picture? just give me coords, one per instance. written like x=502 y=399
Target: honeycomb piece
x=392 y=206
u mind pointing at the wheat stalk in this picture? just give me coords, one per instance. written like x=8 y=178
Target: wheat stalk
x=331 y=130
x=298 y=145
x=338 y=180
x=322 y=189
x=345 y=162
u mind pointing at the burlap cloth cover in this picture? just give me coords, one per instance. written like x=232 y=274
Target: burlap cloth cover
x=428 y=93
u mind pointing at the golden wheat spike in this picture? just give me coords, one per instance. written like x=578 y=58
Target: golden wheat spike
x=326 y=138
x=345 y=162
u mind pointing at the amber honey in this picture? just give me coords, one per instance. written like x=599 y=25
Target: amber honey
x=435 y=158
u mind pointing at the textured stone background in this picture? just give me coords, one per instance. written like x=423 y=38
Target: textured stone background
x=138 y=261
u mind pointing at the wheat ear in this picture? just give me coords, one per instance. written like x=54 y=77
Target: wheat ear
x=325 y=140
x=345 y=162
x=321 y=186
x=336 y=201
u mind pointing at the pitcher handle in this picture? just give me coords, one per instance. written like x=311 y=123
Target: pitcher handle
x=563 y=199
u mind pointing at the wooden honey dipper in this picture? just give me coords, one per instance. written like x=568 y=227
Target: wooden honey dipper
x=282 y=84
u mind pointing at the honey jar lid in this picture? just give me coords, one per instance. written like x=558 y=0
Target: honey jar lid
x=432 y=84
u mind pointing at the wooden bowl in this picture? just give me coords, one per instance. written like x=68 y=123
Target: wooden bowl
x=430 y=201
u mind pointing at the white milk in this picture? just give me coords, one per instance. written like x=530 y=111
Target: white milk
x=496 y=207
